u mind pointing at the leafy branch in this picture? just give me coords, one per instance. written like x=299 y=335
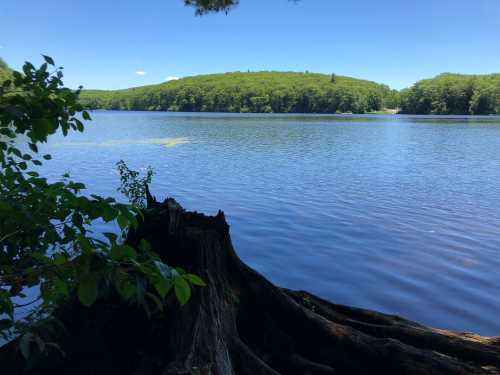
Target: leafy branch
x=46 y=228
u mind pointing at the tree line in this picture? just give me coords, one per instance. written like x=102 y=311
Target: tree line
x=278 y=92
x=292 y=92
x=453 y=94
x=263 y=92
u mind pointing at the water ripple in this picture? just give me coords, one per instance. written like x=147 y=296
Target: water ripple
x=397 y=213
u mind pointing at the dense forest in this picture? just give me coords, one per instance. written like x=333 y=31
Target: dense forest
x=453 y=94
x=291 y=92
x=278 y=92
x=4 y=71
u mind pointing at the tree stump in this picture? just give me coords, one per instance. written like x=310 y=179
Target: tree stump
x=242 y=324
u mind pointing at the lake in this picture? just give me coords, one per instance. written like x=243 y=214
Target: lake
x=395 y=213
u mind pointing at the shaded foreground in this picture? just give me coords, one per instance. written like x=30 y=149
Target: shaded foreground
x=242 y=324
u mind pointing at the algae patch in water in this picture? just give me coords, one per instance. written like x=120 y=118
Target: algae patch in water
x=167 y=142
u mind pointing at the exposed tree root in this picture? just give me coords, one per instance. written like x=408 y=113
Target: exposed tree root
x=242 y=324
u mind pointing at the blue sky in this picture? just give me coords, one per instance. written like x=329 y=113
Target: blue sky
x=104 y=43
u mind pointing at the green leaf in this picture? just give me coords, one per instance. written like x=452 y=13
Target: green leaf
x=193 y=279
x=79 y=125
x=182 y=290
x=163 y=287
x=33 y=147
x=49 y=60
x=123 y=252
x=40 y=343
x=86 y=116
x=122 y=221
x=85 y=243
x=180 y=270
x=5 y=131
x=61 y=287
x=87 y=291
x=6 y=324
x=16 y=289
x=109 y=214
x=46 y=292
x=60 y=259
x=17 y=152
x=6 y=305
x=78 y=186
x=144 y=246
x=112 y=237
x=77 y=219
x=125 y=287
x=47 y=157
x=25 y=343
x=128 y=251
x=133 y=221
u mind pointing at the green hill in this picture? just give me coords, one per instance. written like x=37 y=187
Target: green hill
x=455 y=94
x=279 y=92
x=292 y=92
x=5 y=71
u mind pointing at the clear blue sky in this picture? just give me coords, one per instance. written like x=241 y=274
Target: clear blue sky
x=103 y=43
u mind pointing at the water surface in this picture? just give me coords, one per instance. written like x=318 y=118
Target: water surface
x=395 y=213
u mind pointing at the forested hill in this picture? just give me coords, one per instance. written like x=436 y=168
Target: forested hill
x=5 y=72
x=278 y=92
x=453 y=94
x=291 y=92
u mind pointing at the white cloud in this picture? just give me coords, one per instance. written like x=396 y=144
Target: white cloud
x=172 y=78
x=141 y=72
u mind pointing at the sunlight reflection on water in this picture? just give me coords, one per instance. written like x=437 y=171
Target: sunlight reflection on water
x=395 y=213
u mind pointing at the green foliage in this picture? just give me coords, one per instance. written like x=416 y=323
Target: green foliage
x=132 y=186
x=276 y=92
x=46 y=236
x=206 y=6
x=453 y=94
x=5 y=72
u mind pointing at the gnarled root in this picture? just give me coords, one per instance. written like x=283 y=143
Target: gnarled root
x=242 y=324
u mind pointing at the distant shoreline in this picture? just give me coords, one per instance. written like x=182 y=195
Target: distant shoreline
x=381 y=112
x=389 y=113
x=289 y=92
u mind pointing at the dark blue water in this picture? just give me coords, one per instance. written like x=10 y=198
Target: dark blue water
x=398 y=214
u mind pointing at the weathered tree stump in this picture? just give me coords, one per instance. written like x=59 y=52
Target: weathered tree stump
x=241 y=323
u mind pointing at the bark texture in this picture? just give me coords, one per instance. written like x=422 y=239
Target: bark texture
x=241 y=324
